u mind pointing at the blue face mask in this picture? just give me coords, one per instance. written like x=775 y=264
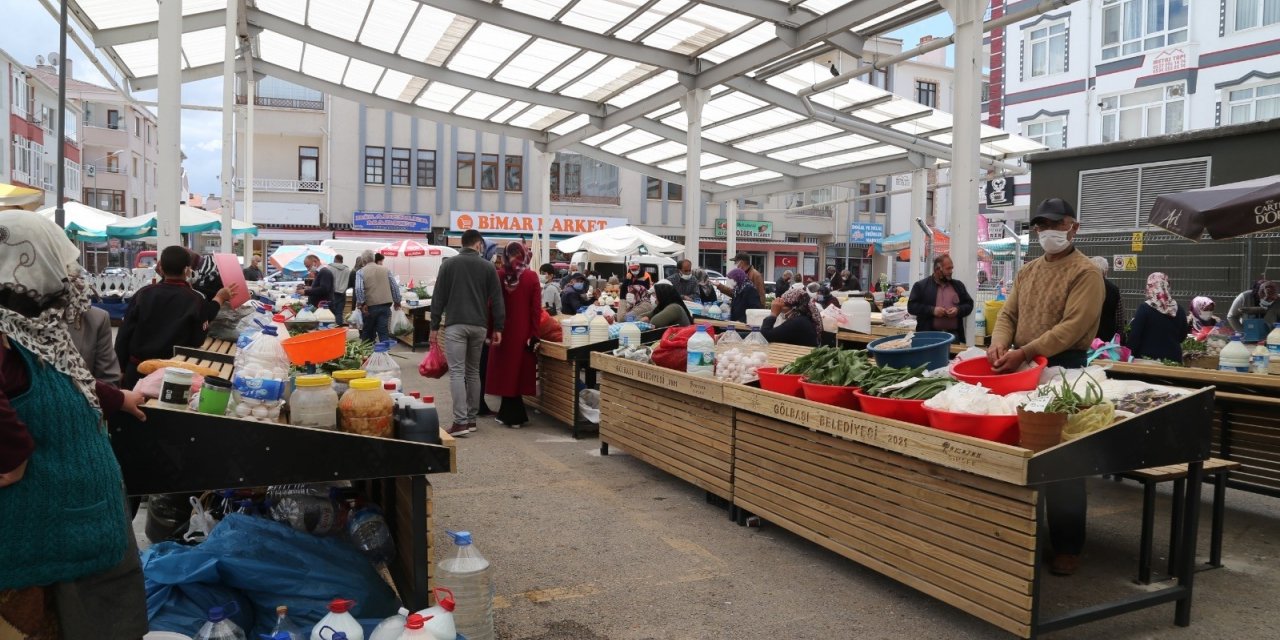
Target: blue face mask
x=580 y=286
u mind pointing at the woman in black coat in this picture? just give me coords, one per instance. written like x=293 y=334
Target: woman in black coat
x=793 y=319
x=1160 y=324
x=745 y=296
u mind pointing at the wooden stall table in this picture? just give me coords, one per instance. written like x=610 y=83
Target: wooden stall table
x=420 y=316
x=846 y=339
x=219 y=355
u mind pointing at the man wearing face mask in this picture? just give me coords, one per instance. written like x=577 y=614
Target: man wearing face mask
x=550 y=288
x=1258 y=302
x=1053 y=312
x=576 y=295
x=636 y=276
x=684 y=283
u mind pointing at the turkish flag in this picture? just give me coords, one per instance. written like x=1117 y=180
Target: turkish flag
x=786 y=261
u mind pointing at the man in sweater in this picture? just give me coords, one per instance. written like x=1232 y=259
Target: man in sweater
x=1053 y=312
x=467 y=300
x=341 y=281
x=376 y=291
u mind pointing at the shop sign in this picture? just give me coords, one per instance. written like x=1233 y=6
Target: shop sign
x=530 y=223
x=866 y=232
x=999 y=192
x=402 y=222
x=1136 y=244
x=787 y=261
x=1169 y=61
x=1125 y=262
x=755 y=229
x=902 y=181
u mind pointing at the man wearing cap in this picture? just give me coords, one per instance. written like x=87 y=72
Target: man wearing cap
x=742 y=261
x=636 y=276
x=1053 y=311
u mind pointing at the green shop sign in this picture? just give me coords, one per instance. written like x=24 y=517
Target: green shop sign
x=746 y=229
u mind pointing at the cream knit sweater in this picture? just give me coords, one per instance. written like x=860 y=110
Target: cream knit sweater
x=1055 y=307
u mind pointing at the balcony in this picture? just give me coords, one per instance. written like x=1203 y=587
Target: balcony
x=284 y=186
x=283 y=103
x=102 y=168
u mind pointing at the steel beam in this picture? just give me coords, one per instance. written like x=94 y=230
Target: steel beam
x=128 y=34
x=622 y=116
x=849 y=173
x=693 y=103
x=192 y=74
x=733 y=153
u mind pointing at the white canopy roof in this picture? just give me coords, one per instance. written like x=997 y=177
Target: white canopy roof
x=600 y=77
x=620 y=242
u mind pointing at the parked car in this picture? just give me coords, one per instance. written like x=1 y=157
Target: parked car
x=116 y=271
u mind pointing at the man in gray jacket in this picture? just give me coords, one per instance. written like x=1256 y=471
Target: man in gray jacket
x=341 y=280
x=467 y=295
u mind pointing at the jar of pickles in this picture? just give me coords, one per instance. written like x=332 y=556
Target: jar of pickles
x=342 y=379
x=366 y=409
x=314 y=403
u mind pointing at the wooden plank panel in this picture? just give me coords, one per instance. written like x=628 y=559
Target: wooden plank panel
x=687 y=453
x=709 y=389
x=716 y=443
x=716 y=486
x=712 y=422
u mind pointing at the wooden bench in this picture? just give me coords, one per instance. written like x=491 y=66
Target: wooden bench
x=1216 y=468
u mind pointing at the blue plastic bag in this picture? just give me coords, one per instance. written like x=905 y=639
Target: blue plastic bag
x=261 y=564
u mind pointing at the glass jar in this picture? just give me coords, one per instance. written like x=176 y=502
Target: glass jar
x=342 y=379
x=366 y=409
x=314 y=403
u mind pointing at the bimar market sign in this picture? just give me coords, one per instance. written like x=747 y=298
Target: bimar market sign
x=530 y=223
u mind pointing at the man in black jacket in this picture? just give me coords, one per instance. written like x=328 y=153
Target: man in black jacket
x=321 y=289
x=940 y=303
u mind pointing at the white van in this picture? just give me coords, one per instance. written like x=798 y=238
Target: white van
x=421 y=270
x=658 y=267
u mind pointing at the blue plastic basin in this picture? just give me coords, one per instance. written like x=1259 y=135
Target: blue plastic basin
x=931 y=348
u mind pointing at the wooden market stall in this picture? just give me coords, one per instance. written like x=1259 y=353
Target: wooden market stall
x=951 y=516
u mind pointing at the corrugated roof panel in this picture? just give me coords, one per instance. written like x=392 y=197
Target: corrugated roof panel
x=539 y=117
x=387 y=22
x=606 y=135
x=323 y=63
x=576 y=122
x=291 y=10
x=480 y=105
x=612 y=76
x=142 y=58
x=630 y=141
x=205 y=47
x=759 y=176
x=749 y=40
x=486 y=49
x=682 y=36
x=107 y=14
x=544 y=9
x=726 y=169
x=534 y=62
x=441 y=96
x=655 y=14
x=341 y=18
x=644 y=89
x=597 y=16
x=657 y=152
x=393 y=85
x=280 y=50
x=425 y=33
x=362 y=76
x=572 y=70
x=509 y=111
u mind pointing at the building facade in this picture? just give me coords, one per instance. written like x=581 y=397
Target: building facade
x=30 y=126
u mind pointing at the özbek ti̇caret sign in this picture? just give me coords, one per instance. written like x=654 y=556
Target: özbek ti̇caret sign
x=486 y=222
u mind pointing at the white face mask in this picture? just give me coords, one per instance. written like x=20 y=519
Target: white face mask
x=1205 y=315
x=631 y=298
x=1054 y=242
x=1265 y=303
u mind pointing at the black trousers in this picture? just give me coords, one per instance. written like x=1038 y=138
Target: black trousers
x=1067 y=502
x=512 y=411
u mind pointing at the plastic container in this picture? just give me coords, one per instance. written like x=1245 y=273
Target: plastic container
x=324 y=315
x=995 y=428
x=978 y=371
x=1235 y=357
x=219 y=627
x=439 y=619
x=755 y=317
x=261 y=369
x=931 y=348
x=423 y=423
x=893 y=408
x=215 y=393
x=415 y=628
x=470 y=578
x=857 y=312
x=980 y=324
x=285 y=625
x=1273 y=346
x=175 y=388
x=629 y=334
x=368 y=531
x=316 y=347
x=314 y=403
x=339 y=619
x=830 y=394
x=579 y=333
x=1260 y=360
x=365 y=409
x=342 y=379
x=784 y=383
x=391 y=627
x=990 y=311
x=598 y=329
x=701 y=354
x=310 y=508
x=381 y=365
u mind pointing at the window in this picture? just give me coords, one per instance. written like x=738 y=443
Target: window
x=489 y=171
x=1254 y=103
x=106 y=199
x=877 y=78
x=515 y=173
x=149 y=134
x=426 y=168
x=135 y=167
x=872 y=206
x=927 y=93
x=577 y=178
x=1129 y=26
x=71 y=174
x=675 y=192
x=135 y=206
x=653 y=188
x=113 y=163
x=308 y=164
x=400 y=167
x=26 y=160
x=374 y=165
x=466 y=170
x=137 y=126
x=1046 y=48
x=1150 y=112
x=1050 y=133
x=1254 y=13
x=113 y=119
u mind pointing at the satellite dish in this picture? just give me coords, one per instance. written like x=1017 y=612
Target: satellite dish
x=53 y=58
x=39 y=61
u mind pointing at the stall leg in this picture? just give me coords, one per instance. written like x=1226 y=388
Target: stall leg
x=417 y=600
x=604 y=448
x=1187 y=555
x=1148 y=526
x=1219 y=513
x=1176 y=531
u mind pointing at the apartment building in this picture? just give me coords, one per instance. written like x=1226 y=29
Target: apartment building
x=1100 y=71
x=30 y=126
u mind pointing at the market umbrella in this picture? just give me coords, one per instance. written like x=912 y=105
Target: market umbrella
x=190 y=220
x=290 y=257
x=620 y=241
x=83 y=222
x=1225 y=210
x=403 y=249
x=22 y=197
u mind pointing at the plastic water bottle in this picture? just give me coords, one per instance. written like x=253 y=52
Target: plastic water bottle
x=1235 y=356
x=701 y=352
x=390 y=628
x=598 y=330
x=219 y=626
x=470 y=577
x=1273 y=346
x=381 y=365
x=370 y=534
x=338 y=620
x=980 y=323
x=439 y=619
x=1261 y=360
x=285 y=625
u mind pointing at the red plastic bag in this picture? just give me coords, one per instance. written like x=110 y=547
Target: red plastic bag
x=434 y=364
x=672 y=352
x=549 y=330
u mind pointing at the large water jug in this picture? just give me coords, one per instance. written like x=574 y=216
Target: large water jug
x=390 y=628
x=1234 y=357
x=339 y=619
x=219 y=627
x=415 y=628
x=578 y=331
x=598 y=329
x=470 y=577
x=439 y=619
x=701 y=353
x=629 y=334
x=857 y=312
x=1273 y=346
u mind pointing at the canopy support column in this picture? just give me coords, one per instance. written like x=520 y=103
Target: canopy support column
x=169 y=99
x=692 y=104
x=540 y=165
x=965 y=160
x=731 y=231
x=919 y=201
x=60 y=214
x=228 y=128
x=250 y=84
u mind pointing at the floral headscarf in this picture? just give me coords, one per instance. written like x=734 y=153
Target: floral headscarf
x=739 y=278
x=700 y=275
x=514 y=265
x=1158 y=295
x=802 y=304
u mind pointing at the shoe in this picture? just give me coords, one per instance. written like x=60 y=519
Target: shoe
x=1064 y=564
x=471 y=427
x=458 y=430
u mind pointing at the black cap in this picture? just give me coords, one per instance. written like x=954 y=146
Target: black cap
x=742 y=257
x=1053 y=210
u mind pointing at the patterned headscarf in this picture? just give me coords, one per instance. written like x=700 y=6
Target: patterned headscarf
x=700 y=275
x=1198 y=304
x=1158 y=295
x=802 y=305
x=739 y=278
x=514 y=265
x=36 y=262
x=638 y=291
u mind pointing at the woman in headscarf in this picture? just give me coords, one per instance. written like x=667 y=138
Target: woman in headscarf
x=636 y=302
x=793 y=319
x=670 y=311
x=68 y=562
x=1202 y=314
x=706 y=292
x=745 y=296
x=1160 y=325
x=514 y=374
x=824 y=298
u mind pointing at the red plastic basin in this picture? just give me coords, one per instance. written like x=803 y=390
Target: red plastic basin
x=978 y=371
x=893 y=408
x=996 y=428
x=784 y=383
x=830 y=394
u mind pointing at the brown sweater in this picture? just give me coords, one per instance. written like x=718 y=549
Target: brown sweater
x=1055 y=307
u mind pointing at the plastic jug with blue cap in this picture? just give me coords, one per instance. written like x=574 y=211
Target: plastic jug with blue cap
x=338 y=620
x=219 y=626
x=469 y=576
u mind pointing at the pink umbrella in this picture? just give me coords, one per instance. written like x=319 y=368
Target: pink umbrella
x=404 y=249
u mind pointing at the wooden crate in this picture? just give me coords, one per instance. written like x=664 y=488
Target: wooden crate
x=782 y=354
x=687 y=436
x=557 y=388
x=965 y=540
